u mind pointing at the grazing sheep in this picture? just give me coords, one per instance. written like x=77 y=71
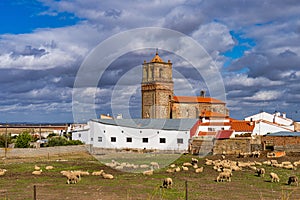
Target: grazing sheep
x=195 y=166
x=97 y=173
x=37 y=172
x=177 y=169
x=173 y=165
x=167 y=183
x=155 y=165
x=227 y=171
x=2 y=172
x=293 y=179
x=260 y=172
x=274 y=177
x=49 y=167
x=195 y=161
x=72 y=179
x=148 y=172
x=185 y=168
x=107 y=176
x=144 y=166
x=224 y=176
x=36 y=168
x=187 y=164
x=199 y=170
x=170 y=170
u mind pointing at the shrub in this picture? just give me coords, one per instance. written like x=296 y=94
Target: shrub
x=23 y=140
x=5 y=138
x=57 y=141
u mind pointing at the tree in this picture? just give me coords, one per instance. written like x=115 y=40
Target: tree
x=23 y=140
x=3 y=139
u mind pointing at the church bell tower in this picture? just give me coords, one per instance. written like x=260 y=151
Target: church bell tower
x=157 y=89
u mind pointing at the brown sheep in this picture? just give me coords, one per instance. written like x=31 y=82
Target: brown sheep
x=260 y=172
x=293 y=179
x=167 y=183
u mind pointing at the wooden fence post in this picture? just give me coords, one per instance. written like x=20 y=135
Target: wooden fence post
x=34 y=192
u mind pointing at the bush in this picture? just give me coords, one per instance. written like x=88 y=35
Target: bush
x=3 y=139
x=23 y=140
x=57 y=141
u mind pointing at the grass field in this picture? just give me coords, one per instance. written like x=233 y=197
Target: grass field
x=18 y=182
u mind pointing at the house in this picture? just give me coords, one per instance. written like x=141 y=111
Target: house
x=156 y=134
x=270 y=123
x=282 y=141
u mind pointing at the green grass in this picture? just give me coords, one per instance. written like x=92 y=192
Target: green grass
x=18 y=182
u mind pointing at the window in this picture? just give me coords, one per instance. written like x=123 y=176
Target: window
x=162 y=140
x=122 y=131
x=99 y=139
x=129 y=139
x=103 y=131
x=145 y=140
x=113 y=139
x=79 y=135
x=211 y=129
x=141 y=131
x=92 y=139
x=179 y=140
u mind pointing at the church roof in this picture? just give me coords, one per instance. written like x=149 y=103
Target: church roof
x=199 y=99
x=156 y=58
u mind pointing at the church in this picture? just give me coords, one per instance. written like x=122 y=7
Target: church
x=159 y=101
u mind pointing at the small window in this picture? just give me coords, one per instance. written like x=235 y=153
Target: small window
x=122 y=131
x=113 y=139
x=103 y=131
x=129 y=139
x=179 y=140
x=211 y=129
x=92 y=139
x=145 y=140
x=79 y=135
x=157 y=132
x=99 y=139
x=141 y=131
x=162 y=140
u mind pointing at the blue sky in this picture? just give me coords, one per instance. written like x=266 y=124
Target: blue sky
x=254 y=44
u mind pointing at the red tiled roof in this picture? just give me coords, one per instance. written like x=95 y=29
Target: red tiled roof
x=242 y=126
x=212 y=114
x=224 y=134
x=205 y=133
x=191 y=99
x=215 y=124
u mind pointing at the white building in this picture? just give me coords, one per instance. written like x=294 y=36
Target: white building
x=270 y=123
x=160 y=134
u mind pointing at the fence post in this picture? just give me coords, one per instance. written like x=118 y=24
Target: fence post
x=34 y=192
x=186 y=190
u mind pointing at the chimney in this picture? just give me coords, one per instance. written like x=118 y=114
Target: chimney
x=202 y=93
x=284 y=115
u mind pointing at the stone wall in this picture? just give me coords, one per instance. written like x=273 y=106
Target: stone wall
x=232 y=146
x=41 y=152
x=281 y=143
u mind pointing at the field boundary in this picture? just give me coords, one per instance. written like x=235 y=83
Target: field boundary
x=41 y=152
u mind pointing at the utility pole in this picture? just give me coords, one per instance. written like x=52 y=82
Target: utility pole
x=5 y=140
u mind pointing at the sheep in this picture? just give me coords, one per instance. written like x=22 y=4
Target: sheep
x=49 y=167
x=187 y=164
x=227 y=171
x=170 y=170
x=177 y=169
x=148 y=173
x=195 y=161
x=155 y=165
x=144 y=166
x=224 y=176
x=173 y=165
x=107 y=176
x=36 y=168
x=199 y=170
x=37 y=172
x=195 y=166
x=185 y=168
x=72 y=179
x=260 y=172
x=2 y=172
x=274 y=177
x=167 y=182
x=97 y=173
x=293 y=179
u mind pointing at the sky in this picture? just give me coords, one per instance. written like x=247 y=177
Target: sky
x=254 y=46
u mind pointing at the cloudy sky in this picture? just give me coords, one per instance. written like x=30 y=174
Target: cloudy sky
x=254 y=45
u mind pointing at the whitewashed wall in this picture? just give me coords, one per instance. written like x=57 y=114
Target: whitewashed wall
x=100 y=136
x=262 y=128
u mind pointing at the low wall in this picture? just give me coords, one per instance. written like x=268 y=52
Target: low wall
x=232 y=146
x=41 y=152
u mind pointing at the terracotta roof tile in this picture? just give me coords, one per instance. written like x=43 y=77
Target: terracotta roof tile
x=240 y=126
x=198 y=99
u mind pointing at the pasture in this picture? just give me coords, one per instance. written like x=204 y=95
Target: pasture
x=18 y=182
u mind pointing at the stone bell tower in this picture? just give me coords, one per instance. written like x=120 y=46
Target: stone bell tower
x=157 y=89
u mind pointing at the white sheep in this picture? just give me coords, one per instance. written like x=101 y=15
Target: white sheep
x=72 y=178
x=36 y=168
x=2 y=172
x=144 y=166
x=185 y=168
x=97 y=173
x=223 y=176
x=107 y=176
x=199 y=170
x=274 y=177
x=155 y=165
x=49 y=167
x=167 y=182
x=173 y=165
x=187 y=164
x=148 y=173
x=39 y=172
x=195 y=161
x=170 y=170
x=177 y=169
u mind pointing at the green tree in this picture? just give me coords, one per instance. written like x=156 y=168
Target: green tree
x=23 y=140
x=5 y=138
x=57 y=141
